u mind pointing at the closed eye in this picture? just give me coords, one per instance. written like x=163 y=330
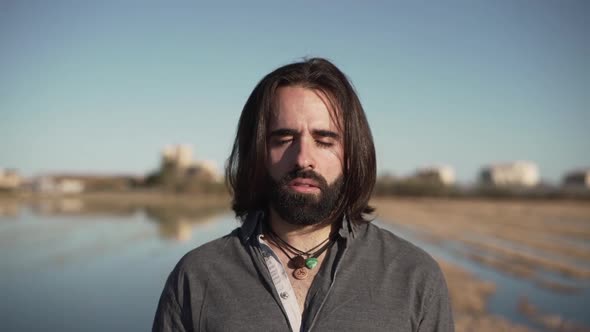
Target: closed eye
x=324 y=144
x=325 y=138
x=282 y=136
x=279 y=141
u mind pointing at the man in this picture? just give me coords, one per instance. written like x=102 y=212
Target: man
x=306 y=257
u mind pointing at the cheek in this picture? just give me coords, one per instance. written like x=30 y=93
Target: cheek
x=275 y=156
x=275 y=161
x=332 y=165
x=337 y=156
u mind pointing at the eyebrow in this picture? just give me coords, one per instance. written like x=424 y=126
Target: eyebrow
x=325 y=133
x=281 y=132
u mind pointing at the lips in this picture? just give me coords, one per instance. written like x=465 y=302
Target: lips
x=305 y=183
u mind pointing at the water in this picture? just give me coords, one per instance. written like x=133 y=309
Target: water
x=91 y=273
x=510 y=290
x=103 y=270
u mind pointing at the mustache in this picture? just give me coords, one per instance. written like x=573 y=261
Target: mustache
x=304 y=174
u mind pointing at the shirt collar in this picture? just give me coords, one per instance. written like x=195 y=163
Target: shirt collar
x=347 y=229
x=253 y=223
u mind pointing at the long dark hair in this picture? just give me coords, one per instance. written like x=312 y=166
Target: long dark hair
x=246 y=173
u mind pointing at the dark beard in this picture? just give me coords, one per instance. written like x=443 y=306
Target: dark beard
x=304 y=209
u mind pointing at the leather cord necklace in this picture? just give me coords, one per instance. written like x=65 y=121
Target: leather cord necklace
x=300 y=260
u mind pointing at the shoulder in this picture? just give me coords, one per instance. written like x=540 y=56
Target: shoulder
x=186 y=286
x=195 y=267
x=199 y=259
x=405 y=265
x=404 y=255
x=375 y=237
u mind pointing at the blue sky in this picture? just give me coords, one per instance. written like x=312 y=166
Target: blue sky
x=103 y=86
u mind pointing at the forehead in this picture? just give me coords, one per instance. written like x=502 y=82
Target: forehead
x=297 y=105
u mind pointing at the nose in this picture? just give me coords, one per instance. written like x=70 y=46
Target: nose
x=305 y=154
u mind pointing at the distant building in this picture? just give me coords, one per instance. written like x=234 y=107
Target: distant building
x=9 y=179
x=442 y=174
x=518 y=173
x=577 y=178
x=177 y=156
x=58 y=185
x=209 y=167
x=77 y=183
x=177 y=160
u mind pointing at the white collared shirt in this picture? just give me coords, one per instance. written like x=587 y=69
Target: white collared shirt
x=282 y=284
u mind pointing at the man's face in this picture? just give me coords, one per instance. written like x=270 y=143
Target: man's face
x=305 y=156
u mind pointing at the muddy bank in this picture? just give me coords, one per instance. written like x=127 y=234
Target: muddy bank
x=469 y=296
x=543 y=242
x=525 y=238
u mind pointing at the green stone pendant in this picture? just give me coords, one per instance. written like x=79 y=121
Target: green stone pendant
x=311 y=262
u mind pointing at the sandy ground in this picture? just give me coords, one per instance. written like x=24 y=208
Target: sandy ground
x=521 y=238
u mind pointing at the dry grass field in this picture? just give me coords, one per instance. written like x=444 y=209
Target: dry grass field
x=526 y=239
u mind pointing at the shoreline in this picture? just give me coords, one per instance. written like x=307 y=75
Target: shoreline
x=495 y=234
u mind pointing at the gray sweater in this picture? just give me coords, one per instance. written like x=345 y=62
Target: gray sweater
x=371 y=280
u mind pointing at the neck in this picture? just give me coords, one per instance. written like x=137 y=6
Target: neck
x=302 y=237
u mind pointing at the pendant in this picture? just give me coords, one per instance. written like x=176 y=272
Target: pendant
x=311 y=262
x=298 y=262
x=300 y=273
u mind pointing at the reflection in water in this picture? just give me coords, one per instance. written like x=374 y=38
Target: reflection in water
x=85 y=236
x=177 y=223
x=76 y=206
x=9 y=208
x=59 y=206
x=99 y=262
x=71 y=205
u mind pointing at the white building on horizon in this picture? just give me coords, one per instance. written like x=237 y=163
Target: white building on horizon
x=444 y=174
x=180 y=156
x=517 y=173
x=211 y=168
x=58 y=185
